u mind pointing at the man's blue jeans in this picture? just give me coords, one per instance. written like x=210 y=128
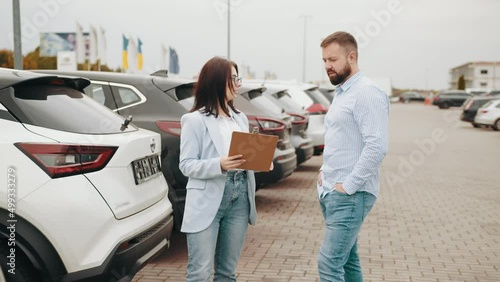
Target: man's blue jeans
x=338 y=256
x=224 y=238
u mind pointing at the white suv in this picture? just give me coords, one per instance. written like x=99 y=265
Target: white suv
x=489 y=114
x=82 y=194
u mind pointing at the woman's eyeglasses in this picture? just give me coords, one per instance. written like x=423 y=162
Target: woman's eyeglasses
x=236 y=79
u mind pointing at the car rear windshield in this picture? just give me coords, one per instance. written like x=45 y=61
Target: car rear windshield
x=289 y=103
x=478 y=103
x=65 y=109
x=263 y=102
x=318 y=97
x=184 y=91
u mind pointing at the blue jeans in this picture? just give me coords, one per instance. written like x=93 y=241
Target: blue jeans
x=338 y=256
x=224 y=237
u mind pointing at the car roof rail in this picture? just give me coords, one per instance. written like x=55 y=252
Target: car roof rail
x=163 y=73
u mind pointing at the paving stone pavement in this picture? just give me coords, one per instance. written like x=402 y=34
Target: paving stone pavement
x=436 y=218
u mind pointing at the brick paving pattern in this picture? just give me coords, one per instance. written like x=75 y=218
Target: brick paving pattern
x=436 y=218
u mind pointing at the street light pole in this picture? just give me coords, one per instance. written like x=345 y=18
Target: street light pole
x=304 y=48
x=18 y=54
x=228 y=30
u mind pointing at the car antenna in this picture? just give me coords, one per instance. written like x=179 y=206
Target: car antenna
x=163 y=73
x=126 y=122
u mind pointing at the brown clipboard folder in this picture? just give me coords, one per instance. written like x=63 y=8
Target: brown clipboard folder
x=257 y=149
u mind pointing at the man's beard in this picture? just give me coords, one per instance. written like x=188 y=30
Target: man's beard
x=341 y=76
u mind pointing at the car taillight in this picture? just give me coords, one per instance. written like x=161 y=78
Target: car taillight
x=268 y=125
x=298 y=119
x=170 y=127
x=59 y=160
x=317 y=109
x=483 y=111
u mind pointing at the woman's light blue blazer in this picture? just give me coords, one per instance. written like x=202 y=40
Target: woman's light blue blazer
x=201 y=149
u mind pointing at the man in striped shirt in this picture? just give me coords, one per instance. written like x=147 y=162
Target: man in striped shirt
x=355 y=145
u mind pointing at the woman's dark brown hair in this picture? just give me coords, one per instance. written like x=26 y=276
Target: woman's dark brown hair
x=210 y=90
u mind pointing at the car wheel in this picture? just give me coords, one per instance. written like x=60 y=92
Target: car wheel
x=496 y=125
x=24 y=271
x=475 y=125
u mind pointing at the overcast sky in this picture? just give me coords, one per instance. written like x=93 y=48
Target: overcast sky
x=412 y=42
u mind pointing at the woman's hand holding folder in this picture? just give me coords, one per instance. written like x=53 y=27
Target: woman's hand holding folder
x=232 y=162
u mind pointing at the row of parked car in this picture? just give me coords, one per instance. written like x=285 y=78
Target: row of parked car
x=100 y=192
x=480 y=109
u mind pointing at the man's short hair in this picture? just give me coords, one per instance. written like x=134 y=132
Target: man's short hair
x=344 y=39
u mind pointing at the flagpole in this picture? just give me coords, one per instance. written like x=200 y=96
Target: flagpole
x=18 y=53
x=304 y=47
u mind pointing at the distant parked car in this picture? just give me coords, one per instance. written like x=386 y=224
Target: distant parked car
x=451 y=98
x=153 y=103
x=296 y=100
x=489 y=114
x=285 y=159
x=320 y=101
x=407 y=97
x=81 y=186
x=492 y=93
x=328 y=92
x=477 y=91
x=471 y=106
x=298 y=133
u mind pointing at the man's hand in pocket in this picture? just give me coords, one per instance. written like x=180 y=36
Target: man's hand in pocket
x=340 y=188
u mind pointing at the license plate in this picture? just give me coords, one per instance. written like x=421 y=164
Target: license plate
x=146 y=169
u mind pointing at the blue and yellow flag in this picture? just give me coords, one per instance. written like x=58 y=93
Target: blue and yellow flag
x=139 y=54
x=125 y=53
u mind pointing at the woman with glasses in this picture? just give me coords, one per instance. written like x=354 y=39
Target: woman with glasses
x=220 y=199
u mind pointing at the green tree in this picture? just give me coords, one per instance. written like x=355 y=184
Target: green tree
x=461 y=83
x=33 y=61
x=6 y=59
x=30 y=61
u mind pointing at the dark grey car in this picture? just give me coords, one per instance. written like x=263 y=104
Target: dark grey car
x=285 y=159
x=152 y=101
x=409 y=96
x=451 y=98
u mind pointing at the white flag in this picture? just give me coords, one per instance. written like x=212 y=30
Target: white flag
x=132 y=55
x=80 y=44
x=94 y=52
x=163 y=57
x=102 y=45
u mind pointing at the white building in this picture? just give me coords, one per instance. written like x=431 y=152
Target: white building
x=484 y=75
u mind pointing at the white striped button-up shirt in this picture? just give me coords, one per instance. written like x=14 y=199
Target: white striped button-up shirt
x=356 y=137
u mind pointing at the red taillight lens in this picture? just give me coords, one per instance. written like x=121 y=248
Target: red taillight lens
x=59 y=160
x=317 y=109
x=298 y=119
x=266 y=124
x=483 y=111
x=170 y=127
